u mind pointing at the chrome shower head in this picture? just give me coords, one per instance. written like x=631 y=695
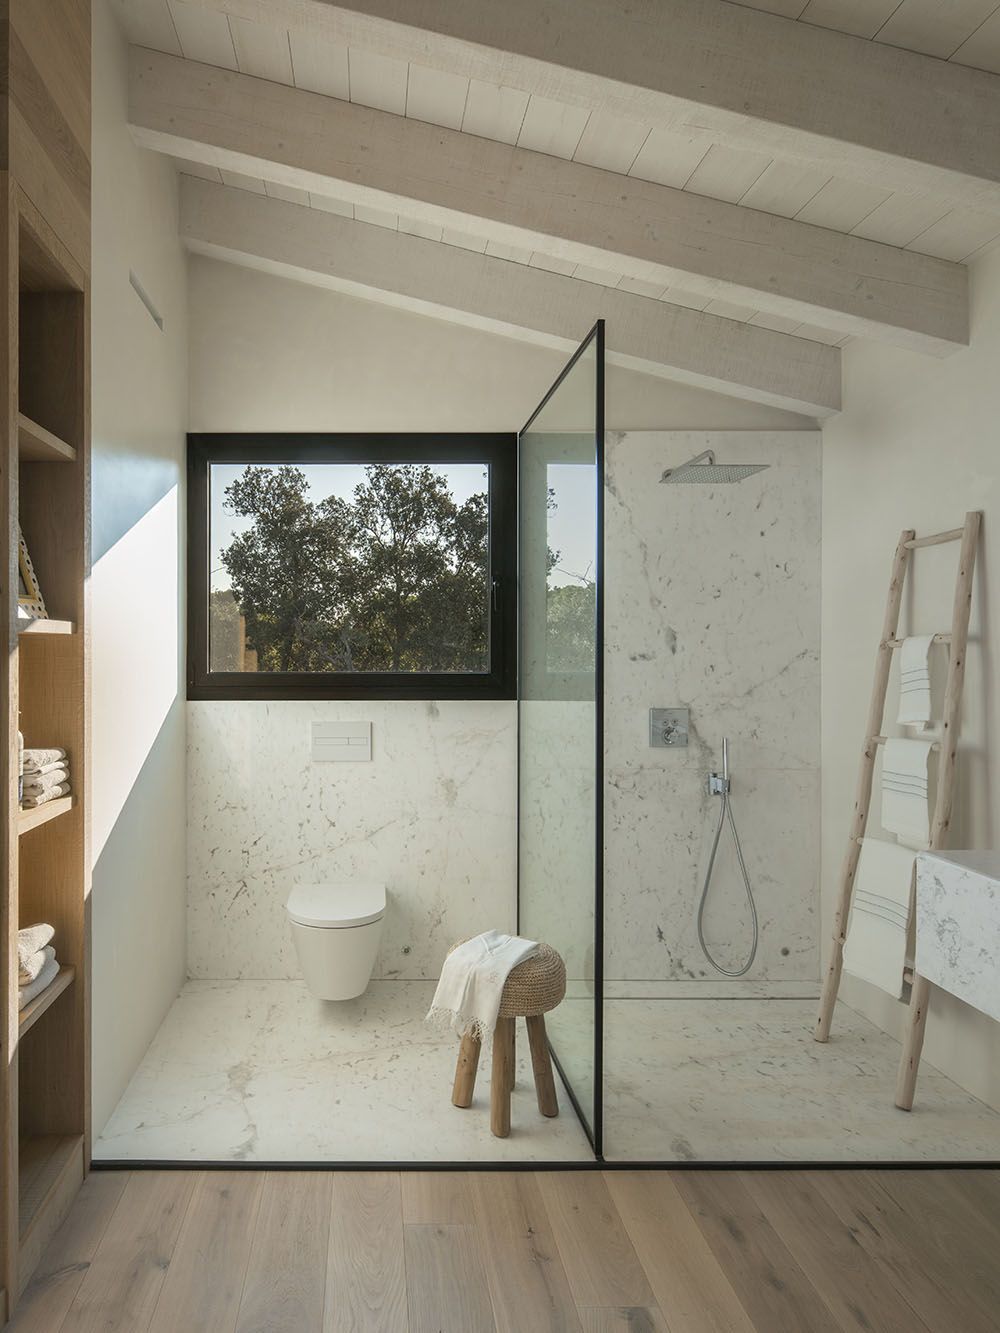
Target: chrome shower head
x=704 y=469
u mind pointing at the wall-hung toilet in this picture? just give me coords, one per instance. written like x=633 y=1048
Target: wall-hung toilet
x=336 y=929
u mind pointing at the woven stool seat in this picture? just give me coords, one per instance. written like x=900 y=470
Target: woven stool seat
x=532 y=988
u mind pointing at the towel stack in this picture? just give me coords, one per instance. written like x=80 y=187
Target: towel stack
x=37 y=966
x=44 y=776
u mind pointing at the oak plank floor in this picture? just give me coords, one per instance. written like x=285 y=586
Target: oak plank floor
x=595 y=1252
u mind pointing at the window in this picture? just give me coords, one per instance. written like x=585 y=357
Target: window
x=351 y=566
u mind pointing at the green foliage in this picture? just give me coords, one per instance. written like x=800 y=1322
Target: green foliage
x=571 y=611
x=392 y=580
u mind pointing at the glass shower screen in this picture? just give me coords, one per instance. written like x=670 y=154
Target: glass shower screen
x=560 y=524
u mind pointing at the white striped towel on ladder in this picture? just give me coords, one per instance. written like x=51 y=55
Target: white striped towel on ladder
x=878 y=933
x=915 y=681
x=905 y=808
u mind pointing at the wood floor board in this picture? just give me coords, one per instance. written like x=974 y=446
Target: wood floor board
x=437 y=1196
x=285 y=1285
x=904 y=1249
x=446 y=1287
x=847 y=1279
x=523 y=1252
x=596 y=1251
x=957 y=1232
x=772 y=1288
x=49 y=1295
x=214 y=1240
x=120 y=1289
x=622 y=1319
x=528 y=1284
x=691 y=1287
x=365 y=1276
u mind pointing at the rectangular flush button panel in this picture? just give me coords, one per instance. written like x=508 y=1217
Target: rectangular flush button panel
x=341 y=741
x=668 y=727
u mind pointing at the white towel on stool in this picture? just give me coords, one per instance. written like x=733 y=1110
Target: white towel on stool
x=878 y=933
x=915 y=681
x=905 y=809
x=472 y=980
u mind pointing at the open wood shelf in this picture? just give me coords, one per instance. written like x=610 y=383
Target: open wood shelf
x=44 y=625
x=41 y=814
x=34 y=1009
x=35 y=444
x=43 y=1161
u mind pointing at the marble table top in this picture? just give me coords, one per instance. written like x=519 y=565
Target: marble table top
x=958 y=925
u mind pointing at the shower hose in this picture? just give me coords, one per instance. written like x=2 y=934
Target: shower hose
x=720 y=787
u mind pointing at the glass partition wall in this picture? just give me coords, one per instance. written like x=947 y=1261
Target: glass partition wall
x=560 y=852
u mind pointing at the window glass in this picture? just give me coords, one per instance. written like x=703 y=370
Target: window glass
x=349 y=568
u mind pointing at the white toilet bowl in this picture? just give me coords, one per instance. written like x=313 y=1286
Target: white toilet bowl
x=336 y=929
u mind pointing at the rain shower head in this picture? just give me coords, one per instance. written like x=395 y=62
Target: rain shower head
x=704 y=469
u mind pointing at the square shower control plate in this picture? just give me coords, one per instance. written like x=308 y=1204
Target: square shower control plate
x=668 y=727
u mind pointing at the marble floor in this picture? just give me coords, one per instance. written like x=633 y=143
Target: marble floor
x=742 y=1080
x=261 y=1071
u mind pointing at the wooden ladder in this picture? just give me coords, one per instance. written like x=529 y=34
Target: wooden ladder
x=968 y=535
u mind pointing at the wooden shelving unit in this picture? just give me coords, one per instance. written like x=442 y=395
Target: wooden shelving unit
x=33 y=1010
x=35 y=444
x=46 y=625
x=44 y=490
x=41 y=814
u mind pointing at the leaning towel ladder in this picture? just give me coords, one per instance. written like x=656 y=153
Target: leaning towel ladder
x=968 y=535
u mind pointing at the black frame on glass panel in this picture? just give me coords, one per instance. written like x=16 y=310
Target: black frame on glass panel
x=592 y=1120
x=498 y=451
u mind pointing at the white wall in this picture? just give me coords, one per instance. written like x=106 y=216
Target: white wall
x=918 y=444
x=269 y=354
x=139 y=419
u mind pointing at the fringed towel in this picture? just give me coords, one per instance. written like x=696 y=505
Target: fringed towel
x=467 y=998
x=905 y=807
x=915 y=681
x=878 y=934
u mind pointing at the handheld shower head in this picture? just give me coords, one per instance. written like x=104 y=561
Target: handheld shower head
x=704 y=469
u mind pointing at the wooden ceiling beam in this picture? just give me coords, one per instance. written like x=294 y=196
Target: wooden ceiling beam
x=573 y=212
x=500 y=296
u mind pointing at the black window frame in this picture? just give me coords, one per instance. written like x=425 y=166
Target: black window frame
x=498 y=450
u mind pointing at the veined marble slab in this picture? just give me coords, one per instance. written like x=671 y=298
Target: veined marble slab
x=958 y=925
x=262 y=1071
x=713 y=602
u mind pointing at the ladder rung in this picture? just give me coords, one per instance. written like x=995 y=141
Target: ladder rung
x=881 y=740
x=938 y=638
x=956 y=534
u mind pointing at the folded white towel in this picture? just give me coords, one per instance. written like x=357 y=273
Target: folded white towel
x=38 y=770
x=32 y=938
x=40 y=798
x=915 y=681
x=45 y=978
x=34 y=784
x=905 y=809
x=34 y=758
x=472 y=980
x=878 y=933
x=27 y=972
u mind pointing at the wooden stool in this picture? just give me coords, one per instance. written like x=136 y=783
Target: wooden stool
x=530 y=991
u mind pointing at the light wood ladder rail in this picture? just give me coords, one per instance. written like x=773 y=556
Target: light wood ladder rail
x=968 y=535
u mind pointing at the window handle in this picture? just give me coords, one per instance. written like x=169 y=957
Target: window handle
x=495 y=585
